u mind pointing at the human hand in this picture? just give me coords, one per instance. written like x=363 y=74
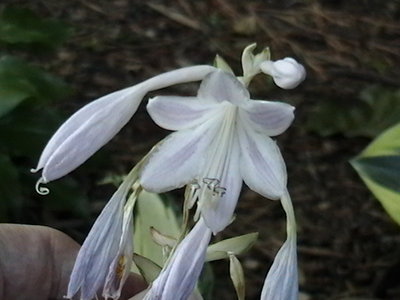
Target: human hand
x=36 y=262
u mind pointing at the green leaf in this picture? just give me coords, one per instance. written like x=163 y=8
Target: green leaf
x=236 y=246
x=383 y=170
x=22 y=26
x=157 y=212
x=376 y=109
x=10 y=98
x=16 y=76
x=10 y=189
x=237 y=276
x=220 y=63
x=147 y=268
x=388 y=143
x=379 y=167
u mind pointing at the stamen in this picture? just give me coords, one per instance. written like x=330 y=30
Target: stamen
x=195 y=185
x=165 y=250
x=41 y=190
x=196 y=216
x=220 y=190
x=211 y=182
x=194 y=190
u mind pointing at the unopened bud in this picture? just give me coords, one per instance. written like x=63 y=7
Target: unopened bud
x=287 y=73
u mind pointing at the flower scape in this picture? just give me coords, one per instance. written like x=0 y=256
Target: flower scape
x=220 y=138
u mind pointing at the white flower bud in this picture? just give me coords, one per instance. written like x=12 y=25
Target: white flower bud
x=287 y=73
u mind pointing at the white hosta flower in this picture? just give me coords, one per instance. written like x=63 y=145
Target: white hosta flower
x=104 y=260
x=222 y=138
x=178 y=279
x=95 y=124
x=281 y=282
x=287 y=73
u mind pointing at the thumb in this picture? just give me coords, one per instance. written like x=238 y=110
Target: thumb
x=36 y=262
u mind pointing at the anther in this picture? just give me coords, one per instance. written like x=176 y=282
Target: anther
x=211 y=182
x=195 y=185
x=220 y=190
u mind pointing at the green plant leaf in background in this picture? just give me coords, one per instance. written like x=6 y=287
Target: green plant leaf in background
x=376 y=109
x=10 y=190
x=20 y=81
x=22 y=26
x=379 y=167
x=153 y=211
x=26 y=130
x=10 y=98
x=147 y=268
x=236 y=245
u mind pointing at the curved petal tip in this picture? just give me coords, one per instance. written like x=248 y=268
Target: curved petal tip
x=42 y=190
x=37 y=169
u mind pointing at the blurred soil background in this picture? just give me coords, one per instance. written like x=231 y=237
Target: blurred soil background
x=348 y=247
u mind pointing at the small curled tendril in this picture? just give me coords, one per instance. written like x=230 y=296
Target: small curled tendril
x=42 y=190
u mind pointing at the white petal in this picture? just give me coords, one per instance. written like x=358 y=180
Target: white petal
x=177 y=160
x=271 y=118
x=221 y=86
x=178 y=279
x=218 y=216
x=120 y=266
x=182 y=75
x=177 y=113
x=261 y=165
x=87 y=131
x=100 y=247
x=98 y=250
x=282 y=279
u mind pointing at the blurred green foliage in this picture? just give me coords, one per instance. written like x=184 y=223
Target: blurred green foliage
x=27 y=118
x=23 y=28
x=21 y=82
x=376 y=109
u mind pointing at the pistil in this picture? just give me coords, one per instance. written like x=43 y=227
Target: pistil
x=207 y=189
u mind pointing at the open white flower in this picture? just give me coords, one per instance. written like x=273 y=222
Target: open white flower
x=95 y=124
x=222 y=139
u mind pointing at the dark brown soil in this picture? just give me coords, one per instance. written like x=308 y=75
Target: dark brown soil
x=348 y=246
